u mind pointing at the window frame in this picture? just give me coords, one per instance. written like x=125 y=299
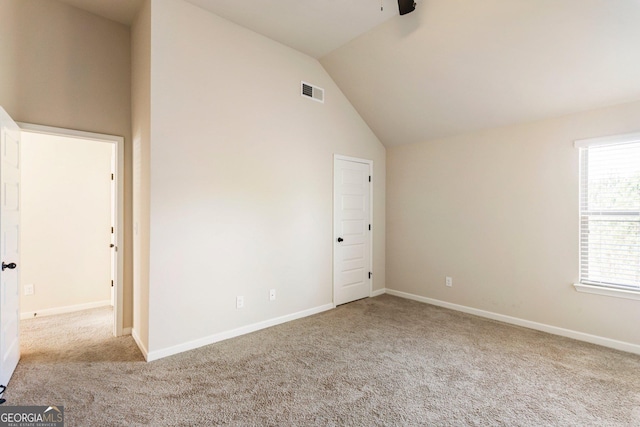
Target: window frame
x=612 y=290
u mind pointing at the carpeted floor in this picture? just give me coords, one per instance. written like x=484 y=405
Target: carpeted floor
x=378 y=361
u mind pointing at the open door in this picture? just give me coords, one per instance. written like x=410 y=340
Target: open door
x=9 y=246
x=112 y=245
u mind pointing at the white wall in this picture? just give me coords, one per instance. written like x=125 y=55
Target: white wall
x=498 y=211
x=241 y=177
x=66 y=221
x=141 y=131
x=67 y=68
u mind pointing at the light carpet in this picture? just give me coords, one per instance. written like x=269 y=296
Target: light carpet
x=378 y=361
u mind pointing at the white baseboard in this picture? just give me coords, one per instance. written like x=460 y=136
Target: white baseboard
x=581 y=336
x=140 y=345
x=63 y=310
x=170 y=351
x=378 y=292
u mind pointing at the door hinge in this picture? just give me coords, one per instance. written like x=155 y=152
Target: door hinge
x=111 y=230
x=112 y=177
x=112 y=283
x=369 y=227
x=370 y=274
x=369 y=178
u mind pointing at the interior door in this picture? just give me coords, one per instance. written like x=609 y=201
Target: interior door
x=352 y=231
x=9 y=246
x=112 y=244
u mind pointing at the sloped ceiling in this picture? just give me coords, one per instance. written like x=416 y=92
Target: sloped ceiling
x=315 y=27
x=451 y=66
x=455 y=66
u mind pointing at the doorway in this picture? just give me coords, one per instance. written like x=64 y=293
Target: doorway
x=352 y=226
x=72 y=212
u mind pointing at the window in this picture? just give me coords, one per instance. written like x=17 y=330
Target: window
x=610 y=213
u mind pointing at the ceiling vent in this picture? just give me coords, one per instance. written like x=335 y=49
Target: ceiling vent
x=313 y=92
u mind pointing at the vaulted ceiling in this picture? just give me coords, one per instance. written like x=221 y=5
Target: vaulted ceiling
x=315 y=27
x=452 y=66
x=455 y=66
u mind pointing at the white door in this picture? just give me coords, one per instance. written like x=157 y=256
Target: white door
x=9 y=241
x=112 y=245
x=352 y=230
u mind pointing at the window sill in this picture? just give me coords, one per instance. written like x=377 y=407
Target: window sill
x=611 y=292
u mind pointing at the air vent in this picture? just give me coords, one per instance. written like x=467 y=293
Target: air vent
x=313 y=92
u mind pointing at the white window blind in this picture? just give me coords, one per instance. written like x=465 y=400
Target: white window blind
x=610 y=212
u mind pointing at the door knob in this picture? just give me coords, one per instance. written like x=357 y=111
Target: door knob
x=10 y=266
x=340 y=239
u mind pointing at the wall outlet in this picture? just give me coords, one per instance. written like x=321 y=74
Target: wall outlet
x=239 y=302
x=28 y=289
x=272 y=295
x=448 y=281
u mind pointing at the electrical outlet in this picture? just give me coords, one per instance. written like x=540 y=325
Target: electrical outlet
x=239 y=302
x=272 y=295
x=28 y=289
x=448 y=281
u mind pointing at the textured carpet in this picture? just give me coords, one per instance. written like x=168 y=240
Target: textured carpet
x=378 y=361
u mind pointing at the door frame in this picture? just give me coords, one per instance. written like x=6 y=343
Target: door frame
x=335 y=226
x=118 y=141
